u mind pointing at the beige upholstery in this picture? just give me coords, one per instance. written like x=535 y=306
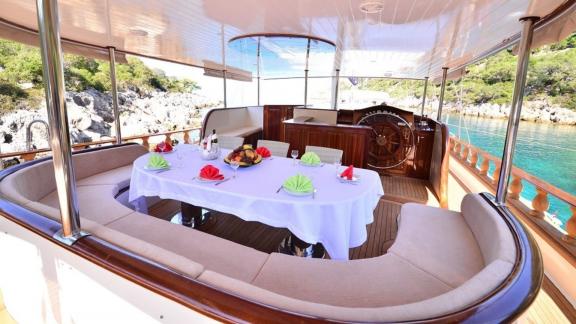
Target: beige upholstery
x=213 y=253
x=239 y=122
x=347 y=283
x=276 y=148
x=242 y=131
x=327 y=155
x=95 y=203
x=492 y=234
x=480 y=285
x=230 y=142
x=438 y=241
x=440 y=262
x=324 y=116
x=153 y=252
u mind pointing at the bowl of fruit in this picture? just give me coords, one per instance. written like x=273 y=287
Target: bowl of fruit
x=245 y=155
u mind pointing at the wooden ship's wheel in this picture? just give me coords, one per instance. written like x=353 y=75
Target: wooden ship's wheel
x=391 y=142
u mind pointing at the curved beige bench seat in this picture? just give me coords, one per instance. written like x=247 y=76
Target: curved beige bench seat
x=441 y=261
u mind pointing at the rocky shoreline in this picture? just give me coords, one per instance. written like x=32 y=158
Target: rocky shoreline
x=533 y=111
x=91 y=116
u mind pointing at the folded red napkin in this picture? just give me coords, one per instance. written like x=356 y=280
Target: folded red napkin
x=348 y=173
x=263 y=151
x=210 y=172
x=163 y=147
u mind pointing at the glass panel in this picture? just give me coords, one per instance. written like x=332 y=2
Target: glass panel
x=321 y=59
x=242 y=93
x=282 y=92
x=320 y=93
x=156 y=96
x=21 y=97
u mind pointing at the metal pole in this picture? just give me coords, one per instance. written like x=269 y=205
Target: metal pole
x=424 y=95
x=516 y=108
x=224 y=64
x=442 y=89
x=225 y=96
x=53 y=74
x=258 y=70
x=336 y=85
x=112 y=54
x=306 y=75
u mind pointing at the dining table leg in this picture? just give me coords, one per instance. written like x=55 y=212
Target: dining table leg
x=292 y=245
x=193 y=216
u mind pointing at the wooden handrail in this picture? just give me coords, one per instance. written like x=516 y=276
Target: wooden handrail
x=30 y=155
x=539 y=204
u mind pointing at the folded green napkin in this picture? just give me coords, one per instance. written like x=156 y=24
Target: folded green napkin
x=156 y=161
x=298 y=183
x=310 y=158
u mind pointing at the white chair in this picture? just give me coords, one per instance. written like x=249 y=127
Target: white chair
x=276 y=148
x=327 y=155
x=230 y=142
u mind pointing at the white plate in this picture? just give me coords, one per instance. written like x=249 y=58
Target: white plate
x=298 y=194
x=311 y=165
x=210 y=180
x=354 y=180
x=148 y=168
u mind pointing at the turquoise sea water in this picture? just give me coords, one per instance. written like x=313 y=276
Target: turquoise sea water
x=544 y=150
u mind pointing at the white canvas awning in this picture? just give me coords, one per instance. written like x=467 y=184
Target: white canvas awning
x=408 y=38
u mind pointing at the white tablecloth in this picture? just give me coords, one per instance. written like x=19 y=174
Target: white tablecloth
x=336 y=217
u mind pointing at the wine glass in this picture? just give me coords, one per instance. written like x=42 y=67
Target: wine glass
x=179 y=157
x=337 y=165
x=234 y=165
x=294 y=155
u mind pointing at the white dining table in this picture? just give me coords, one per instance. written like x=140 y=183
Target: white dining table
x=335 y=216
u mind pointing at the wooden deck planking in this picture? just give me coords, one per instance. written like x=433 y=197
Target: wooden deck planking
x=403 y=190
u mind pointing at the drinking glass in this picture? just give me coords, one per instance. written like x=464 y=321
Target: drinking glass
x=234 y=165
x=294 y=155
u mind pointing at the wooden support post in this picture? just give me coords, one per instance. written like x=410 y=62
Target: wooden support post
x=167 y=138
x=28 y=156
x=452 y=143
x=465 y=152
x=496 y=174
x=540 y=202
x=187 y=137
x=145 y=142
x=474 y=159
x=457 y=148
x=515 y=188
x=485 y=165
x=571 y=226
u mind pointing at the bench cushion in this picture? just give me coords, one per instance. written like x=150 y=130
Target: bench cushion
x=490 y=230
x=373 y=282
x=96 y=203
x=439 y=242
x=119 y=176
x=212 y=252
x=157 y=254
x=473 y=290
x=242 y=131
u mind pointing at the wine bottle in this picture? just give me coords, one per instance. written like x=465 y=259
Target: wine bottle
x=214 y=137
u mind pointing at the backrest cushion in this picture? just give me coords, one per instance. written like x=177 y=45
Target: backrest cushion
x=91 y=163
x=490 y=230
x=37 y=181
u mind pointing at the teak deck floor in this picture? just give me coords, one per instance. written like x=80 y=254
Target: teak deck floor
x=381 y=233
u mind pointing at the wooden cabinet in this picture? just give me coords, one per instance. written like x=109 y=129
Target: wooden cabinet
x=274 y=115
x=352 y=140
